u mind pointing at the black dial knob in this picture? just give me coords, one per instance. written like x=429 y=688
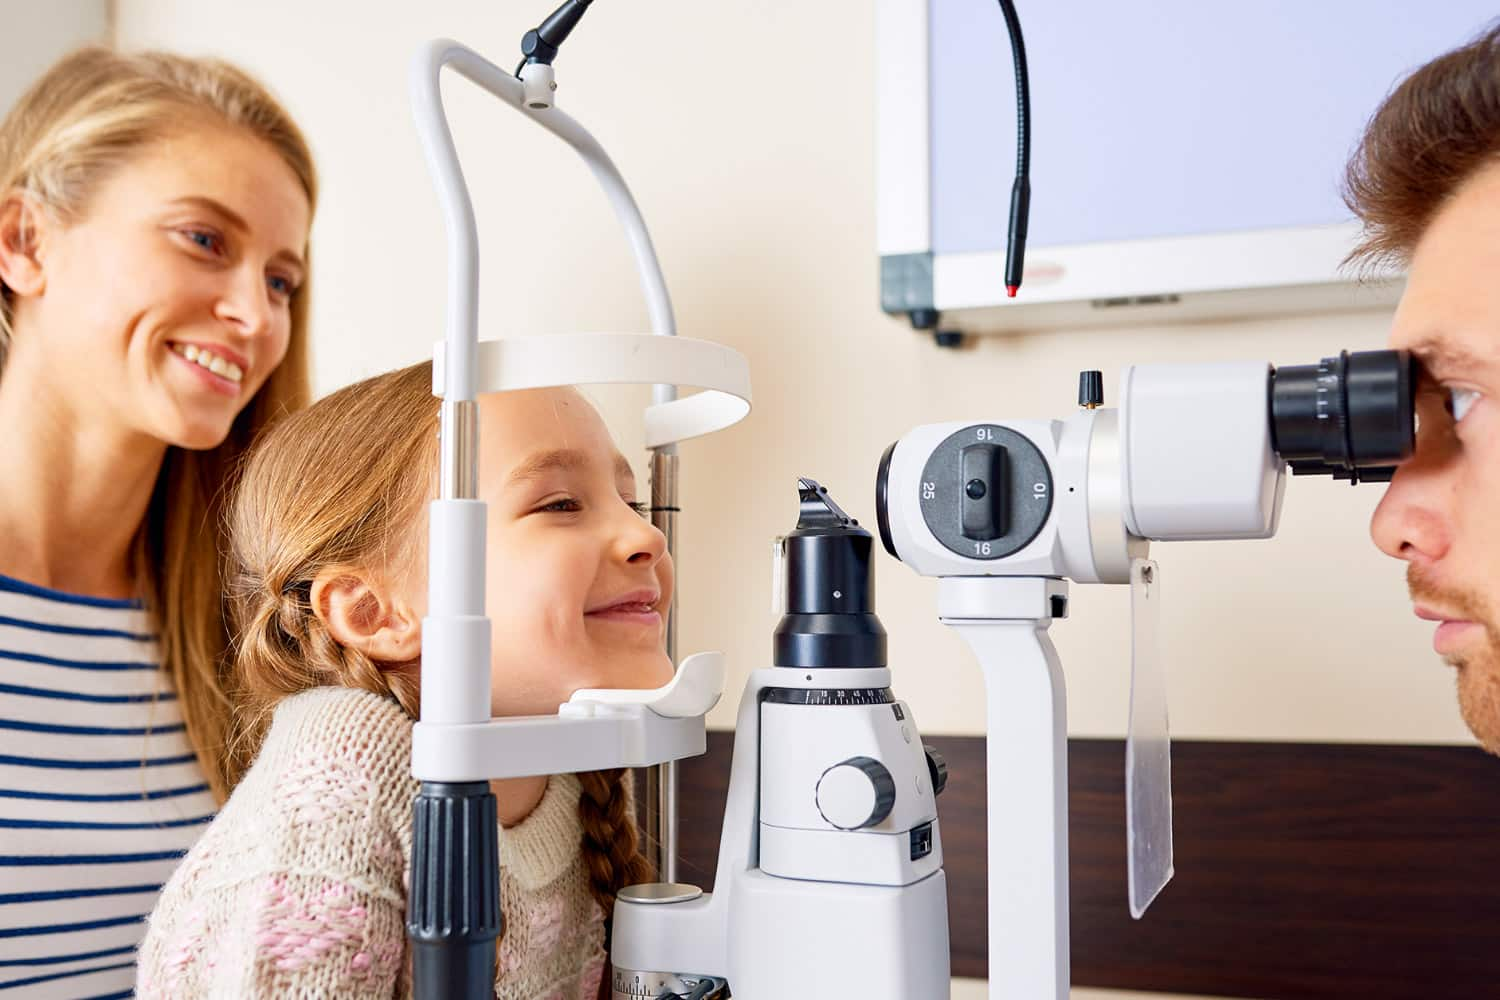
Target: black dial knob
x=1091 y=389
x=856 y=793
x=937 y=769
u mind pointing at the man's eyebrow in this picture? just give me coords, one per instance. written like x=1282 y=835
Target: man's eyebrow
x=1437 y=351
x=236 y=222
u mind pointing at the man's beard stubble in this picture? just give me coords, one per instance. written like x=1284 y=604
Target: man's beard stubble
x=1479 y=670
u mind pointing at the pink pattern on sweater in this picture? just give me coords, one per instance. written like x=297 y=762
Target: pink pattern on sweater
x=295 y=931
x=593 y=974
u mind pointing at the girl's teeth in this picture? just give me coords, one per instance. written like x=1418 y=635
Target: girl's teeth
x=190 y=352
x=219 y=366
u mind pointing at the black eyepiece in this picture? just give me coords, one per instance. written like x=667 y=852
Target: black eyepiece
x=830 y=589
x=1350 y=416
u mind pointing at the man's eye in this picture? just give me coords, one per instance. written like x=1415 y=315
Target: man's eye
x=1461 y=401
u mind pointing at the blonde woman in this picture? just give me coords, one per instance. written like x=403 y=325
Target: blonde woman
x=298 y=888
x=154 y=215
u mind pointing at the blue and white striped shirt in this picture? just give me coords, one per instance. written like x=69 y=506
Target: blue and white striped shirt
x=100 y=794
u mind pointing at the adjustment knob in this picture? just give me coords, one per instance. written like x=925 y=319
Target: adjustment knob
x=856 y=793
x=983 y=469
x=937 y=769
x=1091 y=389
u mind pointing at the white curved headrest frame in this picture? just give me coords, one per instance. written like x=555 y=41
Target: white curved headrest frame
x=465 y=367
x=621 y=358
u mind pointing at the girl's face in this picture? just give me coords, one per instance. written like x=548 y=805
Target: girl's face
x=167 y=305
x=578 y=580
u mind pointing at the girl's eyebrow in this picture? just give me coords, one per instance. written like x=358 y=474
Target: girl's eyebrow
x=562 y=460
x=557 y=460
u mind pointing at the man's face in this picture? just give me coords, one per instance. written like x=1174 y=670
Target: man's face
x=1441 y=513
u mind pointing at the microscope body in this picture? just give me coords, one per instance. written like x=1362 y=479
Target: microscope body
x=829 y=879
x=1079 y=497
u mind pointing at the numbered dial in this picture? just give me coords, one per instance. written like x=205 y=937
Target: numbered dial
x=986 y=491
x=856 y=793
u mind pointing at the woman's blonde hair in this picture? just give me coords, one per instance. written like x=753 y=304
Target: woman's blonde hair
x=85 y=118
x=345 y=483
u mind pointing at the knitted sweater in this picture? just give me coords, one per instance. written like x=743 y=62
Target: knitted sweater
x=298 y=887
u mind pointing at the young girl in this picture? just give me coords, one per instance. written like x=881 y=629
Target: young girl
x=298 y=888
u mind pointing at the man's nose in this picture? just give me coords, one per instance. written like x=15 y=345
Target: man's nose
x=1412 y=520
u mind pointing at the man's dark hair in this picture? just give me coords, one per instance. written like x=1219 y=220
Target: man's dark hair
x=1435 y=131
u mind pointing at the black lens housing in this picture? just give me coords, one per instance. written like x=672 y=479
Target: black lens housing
x=830 y=616
x=1350 y=417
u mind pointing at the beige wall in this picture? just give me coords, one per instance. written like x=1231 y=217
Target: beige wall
x=746 y=129
x=33 y=34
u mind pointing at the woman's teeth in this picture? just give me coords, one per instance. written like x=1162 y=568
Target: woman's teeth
x=205 y=358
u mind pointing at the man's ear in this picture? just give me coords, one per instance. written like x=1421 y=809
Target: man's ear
x=22 y=224
x=360 y=611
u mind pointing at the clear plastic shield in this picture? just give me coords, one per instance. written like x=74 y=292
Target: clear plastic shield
x=1148 y=746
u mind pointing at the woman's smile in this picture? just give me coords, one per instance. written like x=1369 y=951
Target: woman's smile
x=211 y=367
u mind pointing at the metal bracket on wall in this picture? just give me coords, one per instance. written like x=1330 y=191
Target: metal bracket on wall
x=906 y=282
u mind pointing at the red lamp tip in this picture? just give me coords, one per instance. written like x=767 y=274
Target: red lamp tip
x=1010 y=290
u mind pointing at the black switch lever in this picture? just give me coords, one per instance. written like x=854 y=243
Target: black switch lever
x=984 y=492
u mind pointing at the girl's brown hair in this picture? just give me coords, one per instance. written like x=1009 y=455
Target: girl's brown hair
x=86 y=117
x=343 y=483
x=1434 y=131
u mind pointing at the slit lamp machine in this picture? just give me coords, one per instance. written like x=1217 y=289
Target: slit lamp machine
x=829 y=879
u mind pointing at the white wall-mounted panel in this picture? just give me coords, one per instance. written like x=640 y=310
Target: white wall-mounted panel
x=1186 y=156
x=1167 y=117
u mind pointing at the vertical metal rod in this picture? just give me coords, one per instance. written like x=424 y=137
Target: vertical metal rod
x=458 y=450
x=661 y=780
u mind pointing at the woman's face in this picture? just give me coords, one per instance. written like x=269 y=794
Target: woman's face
x=167 y=305
x=578 y=581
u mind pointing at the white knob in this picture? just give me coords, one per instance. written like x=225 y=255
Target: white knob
x=856 y=793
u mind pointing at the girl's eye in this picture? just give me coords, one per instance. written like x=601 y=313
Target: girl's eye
x=1461 y=401
x=641 y=508
x=567 y=505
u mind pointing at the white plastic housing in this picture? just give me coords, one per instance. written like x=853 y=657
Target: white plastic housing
x=1085 y=538
x=799 y=743
x=1197 y=451
x=773 y=937
x=456 y=633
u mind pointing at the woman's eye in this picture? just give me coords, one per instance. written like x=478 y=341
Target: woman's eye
x=204 y=239
x=280 y=286
x=1461 y=401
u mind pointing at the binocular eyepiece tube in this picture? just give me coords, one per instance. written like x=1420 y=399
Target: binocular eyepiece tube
x=1350 y=416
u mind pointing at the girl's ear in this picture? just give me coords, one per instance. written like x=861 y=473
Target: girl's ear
x=360 y=611
x=21 y=227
